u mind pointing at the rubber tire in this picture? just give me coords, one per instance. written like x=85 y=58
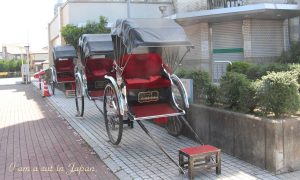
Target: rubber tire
x=80 y=110
x=176 y=120
x=120 y=117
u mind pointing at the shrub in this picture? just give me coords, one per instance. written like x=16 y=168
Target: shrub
x=211 y=92
x=10 y=65
x=254 y=72
x=203 y=88
x=72 y=33
x=278 y=93
x=274 y=67
x=295 y=68
x=239 y=67
x=238 y=92
x=292 y=55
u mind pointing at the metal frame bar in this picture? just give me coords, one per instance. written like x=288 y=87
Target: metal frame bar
x=159 y=146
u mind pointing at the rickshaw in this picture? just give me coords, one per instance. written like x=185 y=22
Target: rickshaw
x=63 y=69
x=96 y=51
x=146 y=52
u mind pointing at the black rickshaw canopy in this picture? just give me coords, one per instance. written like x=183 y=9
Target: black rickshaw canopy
x=66 y=51
x=95 y=44
x=154 y=32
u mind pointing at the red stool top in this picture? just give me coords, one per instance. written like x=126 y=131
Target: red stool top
x=199 y=149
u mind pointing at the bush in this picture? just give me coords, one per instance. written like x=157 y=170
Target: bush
x=10 y=65
x=72 y=33
x=292 y=55
x=238 y=92
x=278 y=93
x=211 y=92
x=254 y=72
x=203 y=88
x=239 y=67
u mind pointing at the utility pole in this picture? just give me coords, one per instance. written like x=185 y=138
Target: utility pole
x=28 y=64
x=128 y=8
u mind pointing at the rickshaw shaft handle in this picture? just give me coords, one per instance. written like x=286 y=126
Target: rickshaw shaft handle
x=159 y=146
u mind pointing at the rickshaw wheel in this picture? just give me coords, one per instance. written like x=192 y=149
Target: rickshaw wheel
x=53 y=84
x=113 y=118
x=79 y=98
x=174 y=124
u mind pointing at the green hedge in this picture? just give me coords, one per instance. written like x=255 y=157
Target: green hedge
x=254 y=72
x=292 y=55
x=278 y=93
x=10 y=65
x=203 y=88
x=238 y=92
x=272 y=88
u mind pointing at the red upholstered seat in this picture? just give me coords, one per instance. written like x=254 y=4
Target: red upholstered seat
x=98 y=67
x=99 y=73
x=64 y=65
x=199 y=149
x=144 y=71
x=65 y=79
x=151 y=82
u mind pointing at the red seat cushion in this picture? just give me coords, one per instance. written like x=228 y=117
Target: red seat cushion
x=151 y=82
x=64 y=65
x=199 y=149
x=98 y=67
x=144 y=71
x=65 y=69
x=100 y=72
x=65 y=79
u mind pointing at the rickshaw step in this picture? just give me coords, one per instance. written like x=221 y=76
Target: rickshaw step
x=200 y=157
x=70 y=93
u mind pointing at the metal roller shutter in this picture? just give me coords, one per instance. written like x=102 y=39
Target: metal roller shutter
x=227 y=45
x=267 y=38
x=227 y=41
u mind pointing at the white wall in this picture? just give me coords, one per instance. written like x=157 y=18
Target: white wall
x=265 y=1
x=190 y=5
x=81 y=12
x=54 y=27
x=39 y=56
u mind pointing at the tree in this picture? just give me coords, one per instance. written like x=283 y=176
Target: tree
x=72 y=33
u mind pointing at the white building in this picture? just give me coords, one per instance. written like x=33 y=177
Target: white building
x=221 y=30
x=236 y=30
x=39 y=58
x=78 y=12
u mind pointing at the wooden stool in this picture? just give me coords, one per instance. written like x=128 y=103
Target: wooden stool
x=199 y=156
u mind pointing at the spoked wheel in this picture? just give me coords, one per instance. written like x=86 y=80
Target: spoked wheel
x=79 y=98
x=174 y=124
x=53 y=84
x=112 y=116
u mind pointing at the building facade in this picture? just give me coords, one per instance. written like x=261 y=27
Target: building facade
x=224 y=31
x=39 y=58
x=78 y=12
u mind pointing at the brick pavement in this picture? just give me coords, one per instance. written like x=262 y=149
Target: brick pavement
x=36 y=142
x=136 y=157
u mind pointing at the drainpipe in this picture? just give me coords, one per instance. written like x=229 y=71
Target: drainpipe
x=289 y=32
x=128 y=8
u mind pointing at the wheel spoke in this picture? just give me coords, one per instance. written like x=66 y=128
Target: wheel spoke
x=113 y=120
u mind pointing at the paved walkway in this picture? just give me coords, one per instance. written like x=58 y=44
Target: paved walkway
x=137 y=157
x=38 y=143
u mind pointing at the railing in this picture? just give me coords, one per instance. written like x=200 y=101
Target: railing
x=216 y=4
x=132 y=1
x=219 y=69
